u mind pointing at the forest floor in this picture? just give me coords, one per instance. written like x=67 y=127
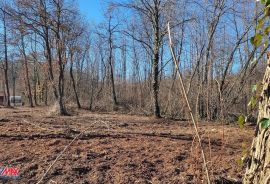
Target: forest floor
x=115 y=148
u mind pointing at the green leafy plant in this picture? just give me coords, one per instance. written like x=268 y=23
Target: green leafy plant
x=262 y=32
x=257 y=39
x=244 y=154
x=265 y=123
x=241 y=121
x=252 y=103
x=254 y=88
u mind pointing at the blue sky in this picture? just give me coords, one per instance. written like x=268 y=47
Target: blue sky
x=92 y=9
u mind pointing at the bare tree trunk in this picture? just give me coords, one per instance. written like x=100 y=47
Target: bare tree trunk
x=124 y=66
x=155 y=72
x=73 y=82
x=46 y=91
x=50 y=68
x=61 y=60
x=111 y=63
x=61 y=83
x=112 y=82
x=36 y=74
x=6 y=59
x=46 y=37
x=26 y=73
x=13 y=79
x=155 y=84
x=35 y=87
x=258 y=168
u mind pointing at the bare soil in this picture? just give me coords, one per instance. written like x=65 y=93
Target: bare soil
x=114 y=148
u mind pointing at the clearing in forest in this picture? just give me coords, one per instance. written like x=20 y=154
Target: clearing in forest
x=115 y=148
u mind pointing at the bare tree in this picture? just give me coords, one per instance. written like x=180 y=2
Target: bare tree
x=4 y=20
x=75 y=33
x=111 y=30
x=155 y=13
x=27 y=80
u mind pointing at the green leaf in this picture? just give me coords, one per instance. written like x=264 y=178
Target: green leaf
x=260 y=23
x=265 y=43
x=241 y=121
x=257 y=39
x=267 y=30
x=265 y=123
x=263 y=1
x=239 y=161
x=252 y=103
x=254 y=88
x=267 y=11
x=252 y=40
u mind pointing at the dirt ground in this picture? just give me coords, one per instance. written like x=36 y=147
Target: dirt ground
x=113 y=148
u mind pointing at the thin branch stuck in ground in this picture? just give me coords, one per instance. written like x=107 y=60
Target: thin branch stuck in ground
x=188 y=104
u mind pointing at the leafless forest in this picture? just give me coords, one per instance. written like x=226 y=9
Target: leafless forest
x=50 y=53
x=172 y=74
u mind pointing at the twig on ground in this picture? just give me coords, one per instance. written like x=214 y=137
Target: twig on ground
x=62 y=152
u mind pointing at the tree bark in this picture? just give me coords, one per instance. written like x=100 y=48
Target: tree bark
x=6 y=59
x=46 y=91
x=258 y=168
x=26 y=72
x=61 y=82
x=155 y=72
x=45 y=19
x=111 y=63
x=60 y=42
x=73 y=82
x=155 y=85
x=50 y=68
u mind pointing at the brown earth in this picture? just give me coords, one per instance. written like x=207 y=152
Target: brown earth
x=115 y=148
